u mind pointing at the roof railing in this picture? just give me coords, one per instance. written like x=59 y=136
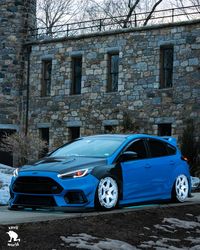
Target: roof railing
x=115 y=23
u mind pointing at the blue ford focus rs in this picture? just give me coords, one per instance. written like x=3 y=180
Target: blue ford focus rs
x=103 y=171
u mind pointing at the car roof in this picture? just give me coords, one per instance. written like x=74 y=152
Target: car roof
x=108 y=136
x=125 y=136
x=168 y=139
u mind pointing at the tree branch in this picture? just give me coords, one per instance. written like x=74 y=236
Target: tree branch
x=131 y=10
x=151 y=12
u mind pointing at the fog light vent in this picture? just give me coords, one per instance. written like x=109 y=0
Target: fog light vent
x=75 y=197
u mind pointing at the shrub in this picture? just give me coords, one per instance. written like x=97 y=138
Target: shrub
x=190 y=147
x=25 y=148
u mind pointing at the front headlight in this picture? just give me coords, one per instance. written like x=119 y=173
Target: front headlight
x=15 y=173
x=74 y=174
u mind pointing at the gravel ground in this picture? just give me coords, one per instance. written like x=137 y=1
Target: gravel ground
x=155 y=228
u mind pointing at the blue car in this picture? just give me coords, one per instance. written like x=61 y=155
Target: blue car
x=103 y=171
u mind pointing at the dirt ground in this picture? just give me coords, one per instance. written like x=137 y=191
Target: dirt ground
x=144 y=229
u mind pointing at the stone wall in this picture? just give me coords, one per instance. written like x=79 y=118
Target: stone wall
x=138 y=93
x=16 y=17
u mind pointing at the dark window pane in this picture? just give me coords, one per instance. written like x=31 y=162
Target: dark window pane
x=74 y=133
x=6 y=157
x=44 y=135
x=157 y=148
x=114 y=63
x=46 y=78
x=76 y=75
x=115 y=82
x=108 y=129
x=164 y=129
x=139 y=148
x=166 y=67
x=170 y=149
x=113 y=71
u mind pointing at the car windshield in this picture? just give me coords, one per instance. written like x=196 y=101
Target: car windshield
x=93 y=147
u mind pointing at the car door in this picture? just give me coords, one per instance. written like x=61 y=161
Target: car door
x=135 y=173
x=161 y=164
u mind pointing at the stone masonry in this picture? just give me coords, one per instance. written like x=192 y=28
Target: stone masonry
x=138 y=95
x=16 y=17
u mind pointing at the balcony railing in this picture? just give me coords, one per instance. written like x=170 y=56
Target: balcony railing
x=116 y=23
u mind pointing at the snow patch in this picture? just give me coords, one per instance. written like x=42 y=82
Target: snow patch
x=195 y=240
x=171 y=225
x=174 y=223
x=5 y=179
x=85 y=241
x=165 y=228
x=181 y=223
x=160 y=244
x=195 y=247
x=198 y=218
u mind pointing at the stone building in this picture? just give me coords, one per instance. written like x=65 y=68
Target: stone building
x=144 y=79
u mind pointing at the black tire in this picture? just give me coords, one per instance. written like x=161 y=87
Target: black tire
x=15 y=208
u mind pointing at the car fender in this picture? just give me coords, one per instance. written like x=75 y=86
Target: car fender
x=113 y=171
x=181 y=170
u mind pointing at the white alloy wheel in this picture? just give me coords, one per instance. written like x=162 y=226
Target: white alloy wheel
x=107 y=193
x=181 y=188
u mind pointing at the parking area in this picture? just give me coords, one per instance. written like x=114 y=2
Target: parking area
x=8 y=217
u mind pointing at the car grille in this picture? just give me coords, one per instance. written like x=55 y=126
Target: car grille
x=36 y=185
x=30 y=200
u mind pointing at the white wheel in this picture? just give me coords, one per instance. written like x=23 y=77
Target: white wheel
x=107 y=193
x=181 y=188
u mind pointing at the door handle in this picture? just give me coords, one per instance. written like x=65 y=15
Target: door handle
x=172 y=163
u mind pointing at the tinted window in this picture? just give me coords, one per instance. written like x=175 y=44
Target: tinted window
x=139 y=148
x=157 y=148
x=171 y=150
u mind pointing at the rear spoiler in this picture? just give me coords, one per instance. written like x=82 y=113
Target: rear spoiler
x=170 y=139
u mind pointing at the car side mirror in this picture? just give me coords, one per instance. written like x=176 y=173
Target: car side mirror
x=127 y=156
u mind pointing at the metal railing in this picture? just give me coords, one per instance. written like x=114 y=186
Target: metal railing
x=116 y=23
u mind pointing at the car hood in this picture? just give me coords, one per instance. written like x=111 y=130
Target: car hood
x=63 y=164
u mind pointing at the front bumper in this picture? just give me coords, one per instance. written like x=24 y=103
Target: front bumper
x=46 y=190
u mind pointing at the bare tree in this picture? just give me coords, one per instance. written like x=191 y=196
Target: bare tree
x=126 y=8
x=51 y=14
